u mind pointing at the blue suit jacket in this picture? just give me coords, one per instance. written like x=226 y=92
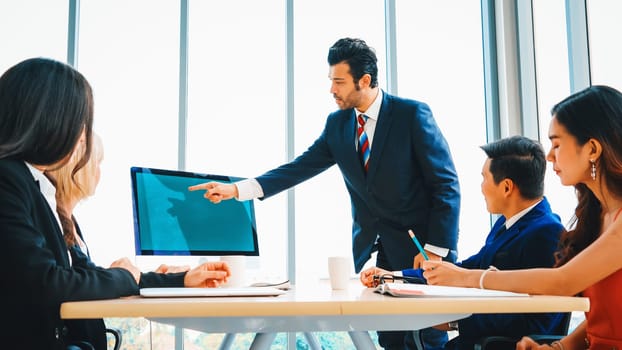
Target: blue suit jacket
x=529 y=243
x=411 y=182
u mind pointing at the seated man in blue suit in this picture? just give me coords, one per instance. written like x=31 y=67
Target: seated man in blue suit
x=524 y=236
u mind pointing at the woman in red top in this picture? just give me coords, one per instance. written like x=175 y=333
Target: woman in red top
x=586 y=152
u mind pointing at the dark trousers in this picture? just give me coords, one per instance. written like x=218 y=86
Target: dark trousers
x=424 y=339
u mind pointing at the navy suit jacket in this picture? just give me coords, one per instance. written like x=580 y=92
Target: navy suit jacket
x=411 y=181
x=38 y=275
x=529 y=243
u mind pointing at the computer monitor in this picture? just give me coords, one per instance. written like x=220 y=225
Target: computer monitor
x=171 y=220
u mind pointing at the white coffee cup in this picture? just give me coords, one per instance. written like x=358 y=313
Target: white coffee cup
x=237 y=266
x=339 y=271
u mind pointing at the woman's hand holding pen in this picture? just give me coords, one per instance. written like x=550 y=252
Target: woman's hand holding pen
x=447 y=274
x=419 y=259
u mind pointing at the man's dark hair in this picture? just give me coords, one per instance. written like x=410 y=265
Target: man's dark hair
x=360 y=57
x=521 y=160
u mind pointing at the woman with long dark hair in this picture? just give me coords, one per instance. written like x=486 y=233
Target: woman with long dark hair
x=46 y=110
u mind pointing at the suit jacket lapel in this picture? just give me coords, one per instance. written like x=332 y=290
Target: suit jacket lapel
x=499 y=242
x=509 y=234
x=380 y=135
x=492 y=244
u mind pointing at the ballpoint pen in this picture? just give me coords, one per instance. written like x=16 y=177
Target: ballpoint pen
x=412 y=235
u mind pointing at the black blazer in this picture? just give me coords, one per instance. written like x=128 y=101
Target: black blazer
x=411 y=182
x=37 y=274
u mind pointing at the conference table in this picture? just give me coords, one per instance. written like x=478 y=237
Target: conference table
x=313 y=308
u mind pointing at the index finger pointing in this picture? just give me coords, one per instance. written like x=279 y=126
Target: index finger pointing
x=204 y=186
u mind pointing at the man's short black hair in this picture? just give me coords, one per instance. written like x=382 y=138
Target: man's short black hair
x=521 y=160
x=360 y=57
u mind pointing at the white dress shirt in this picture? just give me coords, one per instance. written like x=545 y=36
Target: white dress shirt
x=511 y=221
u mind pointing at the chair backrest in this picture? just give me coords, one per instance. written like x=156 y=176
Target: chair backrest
x=116 y=333
x=83 y=345
x=565 y=323
x=560 y=332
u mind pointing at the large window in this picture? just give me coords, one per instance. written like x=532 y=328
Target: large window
x=323 y=214
x=236 y=107
x=128 y=50
x=439 y=61
x=553 y=85
x=237 y=99
x=605 y=54
x=32 y=28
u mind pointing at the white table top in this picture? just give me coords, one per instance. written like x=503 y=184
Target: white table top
x=319 y=300
x=314 y=308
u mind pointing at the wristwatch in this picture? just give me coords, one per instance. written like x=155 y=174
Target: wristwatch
x=453 y=325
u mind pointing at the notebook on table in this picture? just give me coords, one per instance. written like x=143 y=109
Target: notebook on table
x=210 y=292
x=424 y=290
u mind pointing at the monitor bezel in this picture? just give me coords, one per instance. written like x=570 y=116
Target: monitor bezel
x=134 y=170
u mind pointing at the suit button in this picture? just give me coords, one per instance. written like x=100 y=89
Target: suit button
x=56 y=333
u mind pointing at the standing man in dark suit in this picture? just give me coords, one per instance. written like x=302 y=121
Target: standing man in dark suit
x=524 y=236
x=396 y=166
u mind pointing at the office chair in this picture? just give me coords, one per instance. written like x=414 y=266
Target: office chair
x=83 y=345
x=116 y=333
x=496 y=342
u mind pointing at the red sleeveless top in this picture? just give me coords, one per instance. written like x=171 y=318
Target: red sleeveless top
x=604 y=320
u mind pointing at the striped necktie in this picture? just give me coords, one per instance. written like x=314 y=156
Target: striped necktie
x=363 y=141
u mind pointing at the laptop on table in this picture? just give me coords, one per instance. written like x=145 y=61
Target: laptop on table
x=210 y=292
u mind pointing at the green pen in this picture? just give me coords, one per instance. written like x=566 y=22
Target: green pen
x=412 y=235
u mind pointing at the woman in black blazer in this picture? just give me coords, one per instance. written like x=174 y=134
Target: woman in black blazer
x=46 y=109
x=72 y=188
